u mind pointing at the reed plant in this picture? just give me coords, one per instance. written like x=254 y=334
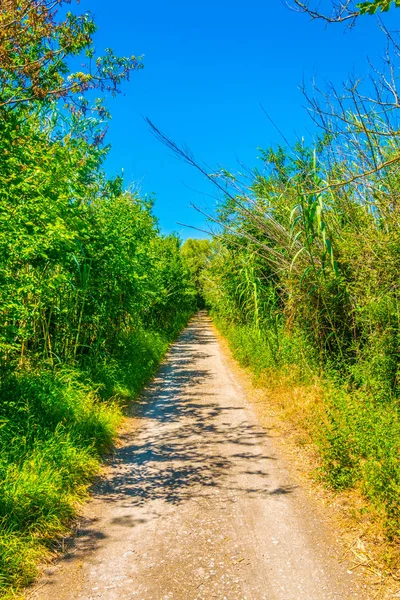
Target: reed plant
x=303 y=279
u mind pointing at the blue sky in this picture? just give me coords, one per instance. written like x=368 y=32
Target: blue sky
x=208 y=66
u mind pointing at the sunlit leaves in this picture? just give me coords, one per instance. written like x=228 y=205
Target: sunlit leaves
x=377 y=5
x=80 y=259
x=36 y=50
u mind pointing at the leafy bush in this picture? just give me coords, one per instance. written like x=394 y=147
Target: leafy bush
x=304 y=278
x=54 y=430
x=358 y=437
x=91 y=292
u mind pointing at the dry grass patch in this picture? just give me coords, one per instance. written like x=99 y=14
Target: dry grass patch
x=295 y=414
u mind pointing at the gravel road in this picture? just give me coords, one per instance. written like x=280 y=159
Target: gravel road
x=196 y=503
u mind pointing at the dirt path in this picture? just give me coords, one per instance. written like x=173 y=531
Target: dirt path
x=197 y=505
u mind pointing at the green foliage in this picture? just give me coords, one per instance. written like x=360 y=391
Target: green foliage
x=53 y=433
x=357 y=435
x=341 y=12
x=54 y=428
x=373 y=7
x=36 y=48
x=87 y=282
x=80 y=259
x=196 y=255
x=360 y=447
x=91 y=292
x=304 y=279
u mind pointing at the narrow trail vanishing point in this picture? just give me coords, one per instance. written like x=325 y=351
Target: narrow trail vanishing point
x=196 y=505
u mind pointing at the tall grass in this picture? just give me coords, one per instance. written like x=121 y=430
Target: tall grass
x=91 y=296
x=91 y=292
x=55 y=426
x=304 y=278
x=357 y=435
x=54 y=431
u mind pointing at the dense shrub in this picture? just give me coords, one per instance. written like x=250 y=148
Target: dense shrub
x=304 y=278
x=91 y=293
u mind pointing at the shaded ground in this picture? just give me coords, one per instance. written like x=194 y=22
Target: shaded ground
x=196 y=505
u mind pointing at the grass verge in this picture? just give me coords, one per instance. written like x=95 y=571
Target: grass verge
x=54 y=428
x=352 y=442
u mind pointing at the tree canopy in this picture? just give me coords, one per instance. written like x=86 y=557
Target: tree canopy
x=36 y=48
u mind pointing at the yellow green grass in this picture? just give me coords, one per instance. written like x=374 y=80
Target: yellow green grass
x=55 y=426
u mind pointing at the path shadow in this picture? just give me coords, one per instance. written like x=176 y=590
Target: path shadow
x=181 y=451
x=189 y=447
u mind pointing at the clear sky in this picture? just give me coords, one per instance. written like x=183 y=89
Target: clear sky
x=208 y=66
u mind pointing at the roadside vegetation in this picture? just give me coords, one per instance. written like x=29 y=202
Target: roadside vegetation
x=303 y=280
x=91 y=293
x=302 y=277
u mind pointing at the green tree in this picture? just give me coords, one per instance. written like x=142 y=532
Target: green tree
x=36 y=48
x=196 y=254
